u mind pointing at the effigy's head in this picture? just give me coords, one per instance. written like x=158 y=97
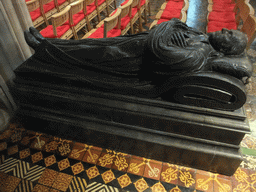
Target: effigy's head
x=229 y=42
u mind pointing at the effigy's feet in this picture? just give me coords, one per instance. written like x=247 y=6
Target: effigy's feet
x=36 y=34
x=33 y=37
x=31 y=40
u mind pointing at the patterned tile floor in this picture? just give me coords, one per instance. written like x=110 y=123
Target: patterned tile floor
x=32 y=161
x=36 y=162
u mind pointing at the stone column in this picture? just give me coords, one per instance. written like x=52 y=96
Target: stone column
x=14 y=19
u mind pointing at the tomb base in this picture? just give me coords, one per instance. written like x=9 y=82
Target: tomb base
x=190 y=136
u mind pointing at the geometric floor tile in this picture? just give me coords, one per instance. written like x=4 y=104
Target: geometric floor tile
x=100 y=187
x=77 y=184
x=55 y=190
x=50 y=160
x=204 y=182
x=3 y=146
x=64 y=147
x=24 y=153
x=141 y=185
x=17 y=135
x=39 y=142
x=6 y=134
x=37 y=157
x=10 y=184
x=92 y=154
x=51 y=147
x=32 y=173
x=77 y=168
x=22 y=169
x=63 y=164
x=24 y=186
x=137 y=166
x=244 y=180
x=106 y=160
x=3 y=177
x=92 y=172
x=158 y=187
x=40 y=188
x=77 y=152
x=249 y=142
x=153 y=170
x=12 y=150
x=222 y=185
x=124 y=180
x=249 y=162
x=121 y=163
x=11 y=166
x=62 y=181
x=48 y=177
x=170 y=173
x=187 y=177
x=108 y=176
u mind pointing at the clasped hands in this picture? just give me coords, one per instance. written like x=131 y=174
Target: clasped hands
x=178 y=38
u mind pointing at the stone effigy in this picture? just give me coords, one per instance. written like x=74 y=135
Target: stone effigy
x=172 y=94
x=172 y=61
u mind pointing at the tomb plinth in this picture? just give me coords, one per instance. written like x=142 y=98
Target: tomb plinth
x=191 y=136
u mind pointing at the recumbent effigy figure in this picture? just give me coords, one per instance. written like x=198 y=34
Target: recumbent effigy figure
x=171 y=61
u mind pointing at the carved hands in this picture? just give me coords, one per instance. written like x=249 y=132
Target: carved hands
x=178 y=38
x=238 y=67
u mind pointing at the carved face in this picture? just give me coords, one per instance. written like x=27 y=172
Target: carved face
x=229 y=42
